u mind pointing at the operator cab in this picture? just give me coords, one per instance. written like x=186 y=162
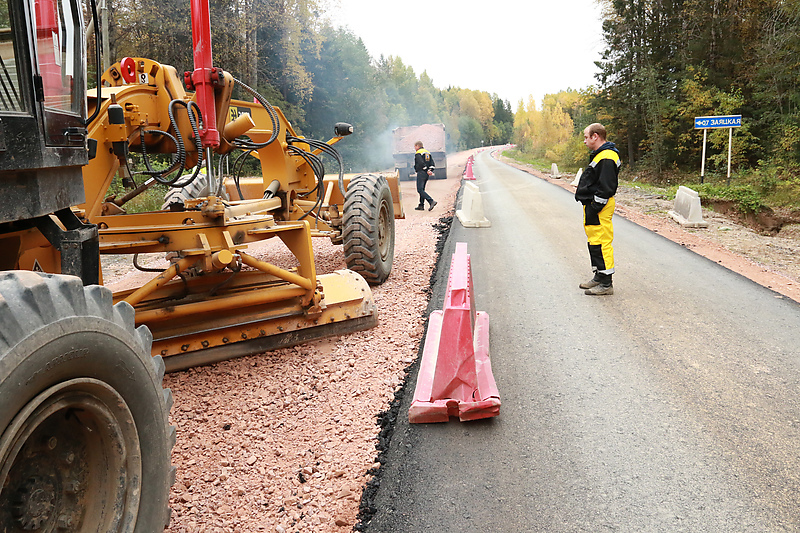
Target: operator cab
x=42 y=107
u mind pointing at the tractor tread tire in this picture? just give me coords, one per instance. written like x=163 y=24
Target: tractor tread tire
x=54 y=331
x=369 y=216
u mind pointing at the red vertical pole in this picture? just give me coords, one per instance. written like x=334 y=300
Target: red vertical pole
x=203 y=71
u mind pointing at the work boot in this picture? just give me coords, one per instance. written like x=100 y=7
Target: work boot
x=420 y=207
x=594 y=282
x=600 y=285
x=433 y=204
x=600 y=290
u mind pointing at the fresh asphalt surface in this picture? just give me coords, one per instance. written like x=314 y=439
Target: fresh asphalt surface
x=673 y=405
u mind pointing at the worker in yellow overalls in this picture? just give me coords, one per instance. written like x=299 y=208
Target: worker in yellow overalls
x=596 y=189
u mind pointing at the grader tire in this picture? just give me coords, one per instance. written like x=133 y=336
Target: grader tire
x=368 y=228
x=85 y=441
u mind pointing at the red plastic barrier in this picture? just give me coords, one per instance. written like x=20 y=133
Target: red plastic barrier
x=468 y=171
x=455 y=374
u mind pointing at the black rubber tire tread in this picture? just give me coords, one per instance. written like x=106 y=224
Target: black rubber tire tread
x=195 y=189
x=366 y=196
x=52 y=329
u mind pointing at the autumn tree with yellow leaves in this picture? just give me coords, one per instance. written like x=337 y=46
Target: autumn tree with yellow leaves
x=552 y=132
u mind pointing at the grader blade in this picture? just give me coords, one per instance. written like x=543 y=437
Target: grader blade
x=202 y=323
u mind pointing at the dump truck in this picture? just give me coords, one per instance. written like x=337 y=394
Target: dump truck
x=433 y=137
x=85 y=439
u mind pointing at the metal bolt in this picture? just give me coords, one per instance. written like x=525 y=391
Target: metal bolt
x=69 y=458
x=64 y=522
x=52 y=443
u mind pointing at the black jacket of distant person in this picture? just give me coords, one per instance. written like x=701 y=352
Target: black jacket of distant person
x=423 y=161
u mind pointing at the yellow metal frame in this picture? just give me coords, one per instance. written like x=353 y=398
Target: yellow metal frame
x=214 y=294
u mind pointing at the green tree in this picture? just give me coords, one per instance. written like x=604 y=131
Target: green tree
x=345 y=91
x=503 y=123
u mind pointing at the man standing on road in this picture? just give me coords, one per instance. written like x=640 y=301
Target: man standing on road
x=423 y=164
x=596 y=189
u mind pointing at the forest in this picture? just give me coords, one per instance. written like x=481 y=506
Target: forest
x=668 y=61
x=316 y=73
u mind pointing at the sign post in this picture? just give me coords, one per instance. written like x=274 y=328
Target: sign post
x=707 y=123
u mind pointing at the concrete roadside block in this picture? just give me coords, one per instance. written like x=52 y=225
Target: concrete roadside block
x=471 y=213
x=687 y=211
x=577 y=178
x=554 y=171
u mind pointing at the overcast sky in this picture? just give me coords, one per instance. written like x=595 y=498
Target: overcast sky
x=514 y=48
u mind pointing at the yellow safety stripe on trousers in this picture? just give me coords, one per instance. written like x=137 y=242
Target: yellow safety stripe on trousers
x=606 y=154
x=602 y=235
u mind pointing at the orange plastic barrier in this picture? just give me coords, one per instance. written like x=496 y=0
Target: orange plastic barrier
x=455 y=374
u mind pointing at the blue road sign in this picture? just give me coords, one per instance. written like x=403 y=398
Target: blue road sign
x=727 y=121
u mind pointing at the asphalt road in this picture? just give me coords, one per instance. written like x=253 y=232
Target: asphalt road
x=673 y=405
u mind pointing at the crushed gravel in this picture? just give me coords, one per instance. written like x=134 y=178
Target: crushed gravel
x=286 y=440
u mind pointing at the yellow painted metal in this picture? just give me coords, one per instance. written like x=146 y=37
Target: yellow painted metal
x=160 y=280
x=239 y=126
x=208 y=302
x=146 y=107
x=221 y=259
x=252 y=298
x=253 y=187
x=208 y=305
x=252 y=207
x=285 y=275
x=251 y=312
x=167 y=231
x=28 y=250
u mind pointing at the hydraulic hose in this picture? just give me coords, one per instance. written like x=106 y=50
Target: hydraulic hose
x=319 y=171
x=328 y=149
x=178 y=159
x=273 y=115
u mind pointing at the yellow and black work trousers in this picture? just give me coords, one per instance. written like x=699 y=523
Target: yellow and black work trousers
x=600 y=233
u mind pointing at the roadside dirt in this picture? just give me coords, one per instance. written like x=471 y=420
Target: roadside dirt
x=287 y=441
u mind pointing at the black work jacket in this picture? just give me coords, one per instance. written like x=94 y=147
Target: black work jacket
x=599 y=181
x=423 y=161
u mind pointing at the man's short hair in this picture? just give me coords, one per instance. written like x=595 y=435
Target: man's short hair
x=597 y=128
x=418 y=144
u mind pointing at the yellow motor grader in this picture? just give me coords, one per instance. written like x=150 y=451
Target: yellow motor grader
x=85 y=441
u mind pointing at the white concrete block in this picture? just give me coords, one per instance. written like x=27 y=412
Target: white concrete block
x=554 y=171
x=688 y=212
x=471 y=213
x=577 y=178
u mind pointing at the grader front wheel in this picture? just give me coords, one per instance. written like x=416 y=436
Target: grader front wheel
x=368 y=228
x=85 y=441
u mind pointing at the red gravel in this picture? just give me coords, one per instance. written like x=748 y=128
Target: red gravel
x=283 y=441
